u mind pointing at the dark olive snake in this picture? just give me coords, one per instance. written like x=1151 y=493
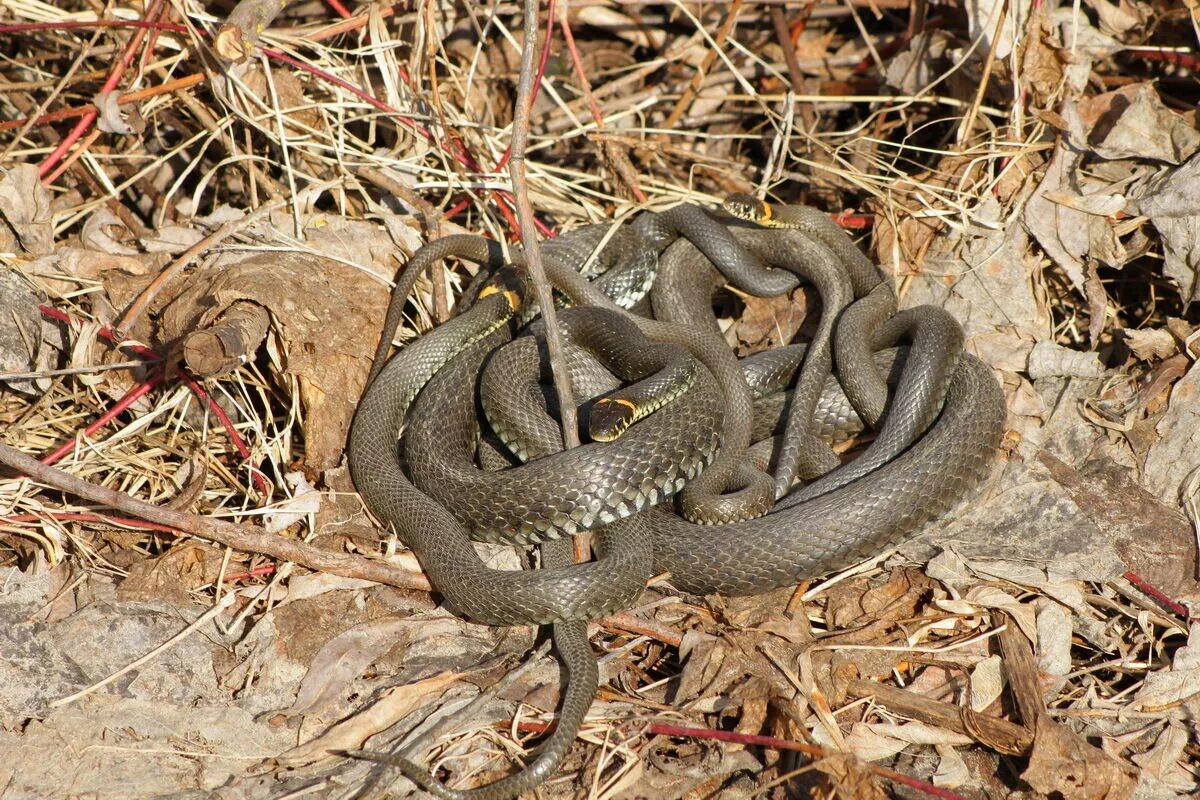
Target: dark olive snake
x=940 y=430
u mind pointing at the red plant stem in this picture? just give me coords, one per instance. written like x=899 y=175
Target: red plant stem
x=104 y=333
x=75 y=516
x=254 y=573
x=1185 y=60
x=854 y=221
x=341 y=10
x=110 y=84
x=235 y=438
x=131 y=397
x=454 y=210
x=88 y=115
x=1156 y=593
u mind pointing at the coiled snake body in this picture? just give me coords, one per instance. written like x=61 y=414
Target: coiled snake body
x=940 y=431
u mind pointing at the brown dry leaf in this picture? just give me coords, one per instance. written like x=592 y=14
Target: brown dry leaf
x=172 y=576
x=1062 y=231
x=393 y=706
x=852 y=779
x=105 y=232
x=919 y=63
x=1041 y=59
x=769 y=322
x=1172 y=458
x=852 y=602
x=1164 y=760
x=26 y=209
x=328 y=318
x=1062 y=762
x=1150 y=344
x=343 y=658
x=288 y=100
x=1172 y=201
x=1179 y=685
x=20 y=328
x=122 y=276
x=814 y=44
x=1133 y=122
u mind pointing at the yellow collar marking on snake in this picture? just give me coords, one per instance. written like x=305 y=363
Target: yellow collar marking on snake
x=632 y=406
x=514 y=300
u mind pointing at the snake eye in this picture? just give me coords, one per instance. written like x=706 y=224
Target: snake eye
x=748 y=207
x=609 y=418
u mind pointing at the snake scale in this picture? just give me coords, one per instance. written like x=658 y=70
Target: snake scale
x=735 y=528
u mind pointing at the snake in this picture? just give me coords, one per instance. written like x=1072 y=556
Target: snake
x=837 y=524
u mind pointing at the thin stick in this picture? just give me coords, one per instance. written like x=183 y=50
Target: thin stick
x=241 y=538
x=529 y=242
x=697 y=82
x=964 y=130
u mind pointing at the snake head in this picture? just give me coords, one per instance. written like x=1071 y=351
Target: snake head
x=748 y=207
x=610 y=417
x=510 y=282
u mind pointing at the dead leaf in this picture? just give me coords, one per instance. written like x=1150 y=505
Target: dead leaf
x=1063 y=232
x=769 y=322
x=1176 y=453
x=25 y=207
x=850 y=602
x=342 y=660
x=1150 y=344
x=395 y=705
x=328 y=315
x=172 y=576
x=1163 y=760
x=1063 y=762
x=1133 y=122
x=987 y=682
x=105 y=233
x=20 y=330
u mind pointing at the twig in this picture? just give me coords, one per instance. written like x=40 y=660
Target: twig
x=529 y=242
x=693 y=88
x=238 y=537
x=964 y=130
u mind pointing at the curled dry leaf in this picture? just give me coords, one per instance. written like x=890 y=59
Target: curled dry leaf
x=1164 y=760
x=103 y=232
x=327 y=315
x=1063 y=763
x=1180 y=684
x=20 y=328
x=1175 y=454
x=1133 y=122
x=987 y=682
x=343 y=658
x=1049 y=360
x=1151 y=343
x=304 y=500
x=350 y=734
x=1171 y=200
x=25 y=207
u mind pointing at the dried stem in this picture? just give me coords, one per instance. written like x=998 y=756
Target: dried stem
x=238 y=537
x=529 y=242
